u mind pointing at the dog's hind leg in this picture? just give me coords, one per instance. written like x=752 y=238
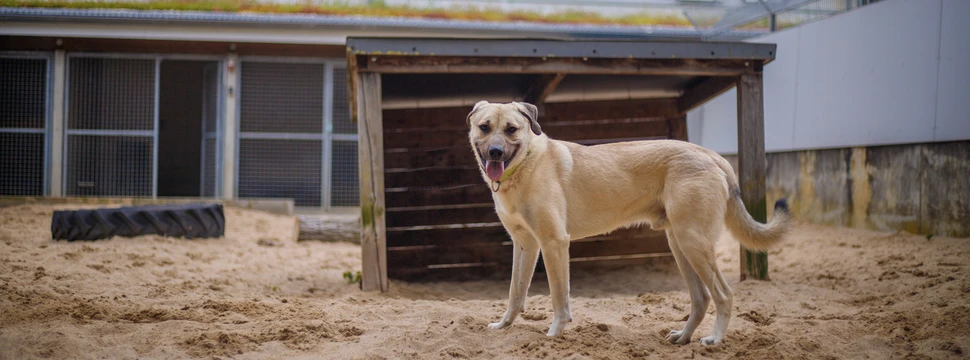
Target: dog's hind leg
x=700 y=255
x=525 y=254
x=699 y=297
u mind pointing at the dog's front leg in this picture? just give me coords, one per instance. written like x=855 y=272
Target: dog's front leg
x=524 y=256
x=555 y=255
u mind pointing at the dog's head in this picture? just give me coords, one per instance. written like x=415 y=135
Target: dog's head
x=500 y=134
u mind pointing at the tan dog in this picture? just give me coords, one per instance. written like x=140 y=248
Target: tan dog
x=549 y=192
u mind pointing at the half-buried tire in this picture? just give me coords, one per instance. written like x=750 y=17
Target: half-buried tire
x=189 y=221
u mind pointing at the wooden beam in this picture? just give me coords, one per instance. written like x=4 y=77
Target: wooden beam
x=611 y=109
x=705 y=90
x=373 y=240
x=751 y=165
x=678 y=127
x=541 y=89
x=539 y=65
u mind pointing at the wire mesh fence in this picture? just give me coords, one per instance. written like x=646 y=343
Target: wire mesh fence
x=342 y=124
x=286 y=146
x=292 y=144
x=281 y=168
x=344 y=183
x=281 y=131
x=23 y=124
x=101 y=165
x=110 y=131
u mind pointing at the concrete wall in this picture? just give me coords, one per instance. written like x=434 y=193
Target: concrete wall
x=894 y=72
x=922 y=189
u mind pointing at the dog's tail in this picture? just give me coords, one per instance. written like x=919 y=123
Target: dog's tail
x=750 y=233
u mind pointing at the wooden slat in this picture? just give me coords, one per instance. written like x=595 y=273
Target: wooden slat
x=705 y=90
x=459 y=194
x=520 y=65
x=461 y=155
x=425 y=259
x=610 y=109
x=479 y=253
x=618 y=245
x=436 y=176
x=564 y=130
x=751 y=166
x=454 y=117
x=488 y=232
x=501 y=272
x=678 y=127
x=477 y=213
x=449 y=117
x=498 y=272
x=371 y=164
x=448 y=237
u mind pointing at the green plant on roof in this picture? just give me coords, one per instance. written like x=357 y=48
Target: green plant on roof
x=373 y=9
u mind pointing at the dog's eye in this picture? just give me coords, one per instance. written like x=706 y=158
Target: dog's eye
x=511 y=130
x=483 y=127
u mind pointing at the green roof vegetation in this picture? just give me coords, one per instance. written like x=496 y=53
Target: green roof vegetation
x=375 y=9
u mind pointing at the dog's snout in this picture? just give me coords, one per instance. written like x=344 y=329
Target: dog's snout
x=495 y=152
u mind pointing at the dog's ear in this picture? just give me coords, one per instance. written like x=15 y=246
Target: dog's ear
x=478 y=105
x=532 y=113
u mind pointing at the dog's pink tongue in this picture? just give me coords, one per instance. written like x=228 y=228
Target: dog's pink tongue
x=494 y=169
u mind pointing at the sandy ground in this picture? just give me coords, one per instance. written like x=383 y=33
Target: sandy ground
x=836 y=293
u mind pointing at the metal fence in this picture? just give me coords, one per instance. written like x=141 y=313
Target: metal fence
x=211 y=130
x=296 y=139
x=24 y=118
x=112 y=121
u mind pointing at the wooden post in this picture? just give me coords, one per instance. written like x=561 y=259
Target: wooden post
x=373 y=241
x=751 y=165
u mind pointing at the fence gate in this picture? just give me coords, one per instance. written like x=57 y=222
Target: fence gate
x=24 y=113
x=296 y=139
x=112 y=122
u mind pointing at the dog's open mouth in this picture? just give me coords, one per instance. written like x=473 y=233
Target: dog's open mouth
x=496 y=168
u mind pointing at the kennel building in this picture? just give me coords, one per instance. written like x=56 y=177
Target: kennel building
x=234 y=106
x=425 y=210
x=155 y=125
x=126 y=103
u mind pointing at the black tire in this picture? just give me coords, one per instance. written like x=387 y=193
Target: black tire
x=188 y=221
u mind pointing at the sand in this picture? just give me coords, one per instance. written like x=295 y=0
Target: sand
x=835 y=293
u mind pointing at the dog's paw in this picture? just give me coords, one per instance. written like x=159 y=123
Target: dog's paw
x=557 y=326
x=499 y=325
x=677 y=337
x=710 y=340
x=553 y=332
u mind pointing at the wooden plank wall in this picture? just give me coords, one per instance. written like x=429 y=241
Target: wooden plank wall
x=441 y=221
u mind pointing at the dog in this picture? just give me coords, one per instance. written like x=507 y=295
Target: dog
x=549 y=192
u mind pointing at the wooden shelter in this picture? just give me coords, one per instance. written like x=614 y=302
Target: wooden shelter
x=425 y=210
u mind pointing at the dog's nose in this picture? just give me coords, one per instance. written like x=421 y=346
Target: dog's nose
x=495 y=152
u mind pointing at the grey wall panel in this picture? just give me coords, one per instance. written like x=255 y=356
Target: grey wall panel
x=882 y=74
x=868 y=77
x=953 y=94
